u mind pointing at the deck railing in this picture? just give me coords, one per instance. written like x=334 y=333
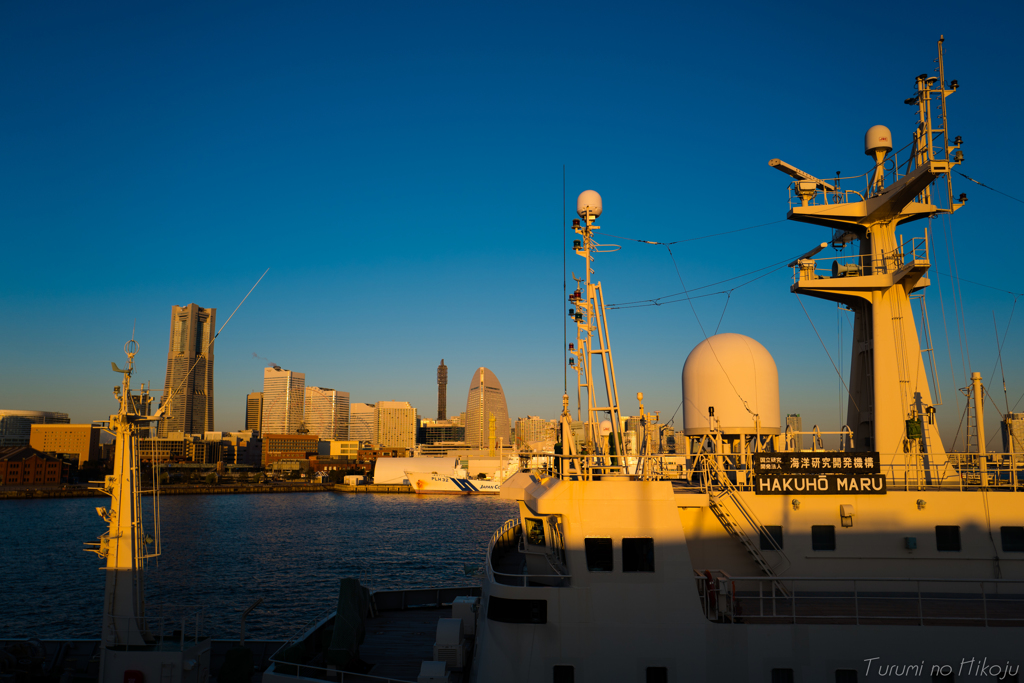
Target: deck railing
x=166 y=626
x=861 y=601
x=506 y=540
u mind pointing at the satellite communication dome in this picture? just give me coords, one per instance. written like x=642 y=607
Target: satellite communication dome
x=722 y=372
x=605 y=428
x=591 y=200
x=877 y=138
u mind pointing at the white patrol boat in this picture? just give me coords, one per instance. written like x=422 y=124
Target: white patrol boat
x=432 y=482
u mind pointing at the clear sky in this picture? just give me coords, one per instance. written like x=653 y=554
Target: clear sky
x=398 y=168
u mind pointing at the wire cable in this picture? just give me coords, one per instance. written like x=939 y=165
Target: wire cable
x=702 y=237
x=990 y=188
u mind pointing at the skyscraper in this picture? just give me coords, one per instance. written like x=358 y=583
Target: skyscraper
x=442 y=391
x=396 y=424
x=326 y=413
x=486 y=398
x=189 y=382
x=283 y=394
x=362 y=425
x=254 y=411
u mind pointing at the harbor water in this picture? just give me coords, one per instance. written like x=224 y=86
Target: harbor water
x=223 y=552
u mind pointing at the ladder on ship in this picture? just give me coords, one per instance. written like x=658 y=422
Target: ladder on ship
x=719 y=502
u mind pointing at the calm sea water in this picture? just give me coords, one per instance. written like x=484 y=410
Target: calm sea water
x=224 y=551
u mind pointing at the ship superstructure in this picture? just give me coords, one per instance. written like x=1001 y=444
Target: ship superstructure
x=773 y=561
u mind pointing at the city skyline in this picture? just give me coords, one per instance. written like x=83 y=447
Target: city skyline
x=388 y=162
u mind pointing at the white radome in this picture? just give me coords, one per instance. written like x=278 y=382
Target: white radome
x=588 y=199
x=721 y=370
x=877 y=138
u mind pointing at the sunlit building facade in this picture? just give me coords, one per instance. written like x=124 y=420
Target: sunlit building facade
x=326 y=413
x=362 y=422
x=396 y=424
x=188 y=384
x=283 y=396
x=486 y=398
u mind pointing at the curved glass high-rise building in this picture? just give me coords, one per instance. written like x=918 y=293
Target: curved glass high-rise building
x=486 y=398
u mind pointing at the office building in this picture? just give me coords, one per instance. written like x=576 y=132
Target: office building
x=283 y=396
x=1013 y=433
x=80 y=442
x=326 y=413
x=485 y=399
x=362 y=424
x=16 y=425
x=533 y=429
x=442 y=391
x=178 y=447
x=396 y=424
x=794 y=423
x=253 y=411
x=433 y=431
x=188 y=384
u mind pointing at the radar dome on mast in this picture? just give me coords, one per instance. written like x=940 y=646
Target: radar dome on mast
x=588 y=201
x=736 y=377
x=877 y=143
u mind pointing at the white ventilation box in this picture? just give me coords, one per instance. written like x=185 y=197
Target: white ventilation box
x=466 y=607
x=354 y=480
x=449 y=645
x=432 y=672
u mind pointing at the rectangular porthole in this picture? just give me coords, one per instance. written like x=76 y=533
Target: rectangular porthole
x=947 y=538
x=510 y=611
x=638 y=554
x=657 y=674
x=782 y=676
x=823 y=537
x=846 y=676
x=1013 y=538
x=769 y=534
x=562 y=673
x=599 y=554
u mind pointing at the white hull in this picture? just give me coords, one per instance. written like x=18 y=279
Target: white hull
x=431 y=482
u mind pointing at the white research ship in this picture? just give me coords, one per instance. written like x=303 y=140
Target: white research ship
x=887 y=557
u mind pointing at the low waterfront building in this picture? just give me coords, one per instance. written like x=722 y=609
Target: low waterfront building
x=20 y=465
x=289 y=447
x=81 y=443
x=177 y=447
x=442 y=448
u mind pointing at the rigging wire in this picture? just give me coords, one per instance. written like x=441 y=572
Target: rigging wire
x=828 y=354
x=702 y=237
x=991 y=188
x=565 y=322
x=686 y=295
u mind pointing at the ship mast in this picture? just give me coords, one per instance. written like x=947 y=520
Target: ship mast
x=890 y=405
x=590 y=318
x=124 y=543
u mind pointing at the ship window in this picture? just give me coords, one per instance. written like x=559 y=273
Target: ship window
x=846 y=676
x=657 y=674
x=823 y=537
x=769 y=534
x=599 y=554
x=563 y=674
x=534 y=531
x=782 y=676
x=638 y=554
x=940 y=678
x=509 y=611
x=947 y=538
x=1013 y=538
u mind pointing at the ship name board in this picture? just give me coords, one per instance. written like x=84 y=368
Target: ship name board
x=817 y=462
x=819 y=484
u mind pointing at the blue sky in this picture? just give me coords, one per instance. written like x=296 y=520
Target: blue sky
x=398 y=167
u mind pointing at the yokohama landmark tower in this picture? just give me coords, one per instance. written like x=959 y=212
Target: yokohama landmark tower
x=190 y=371
x=442 y=391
